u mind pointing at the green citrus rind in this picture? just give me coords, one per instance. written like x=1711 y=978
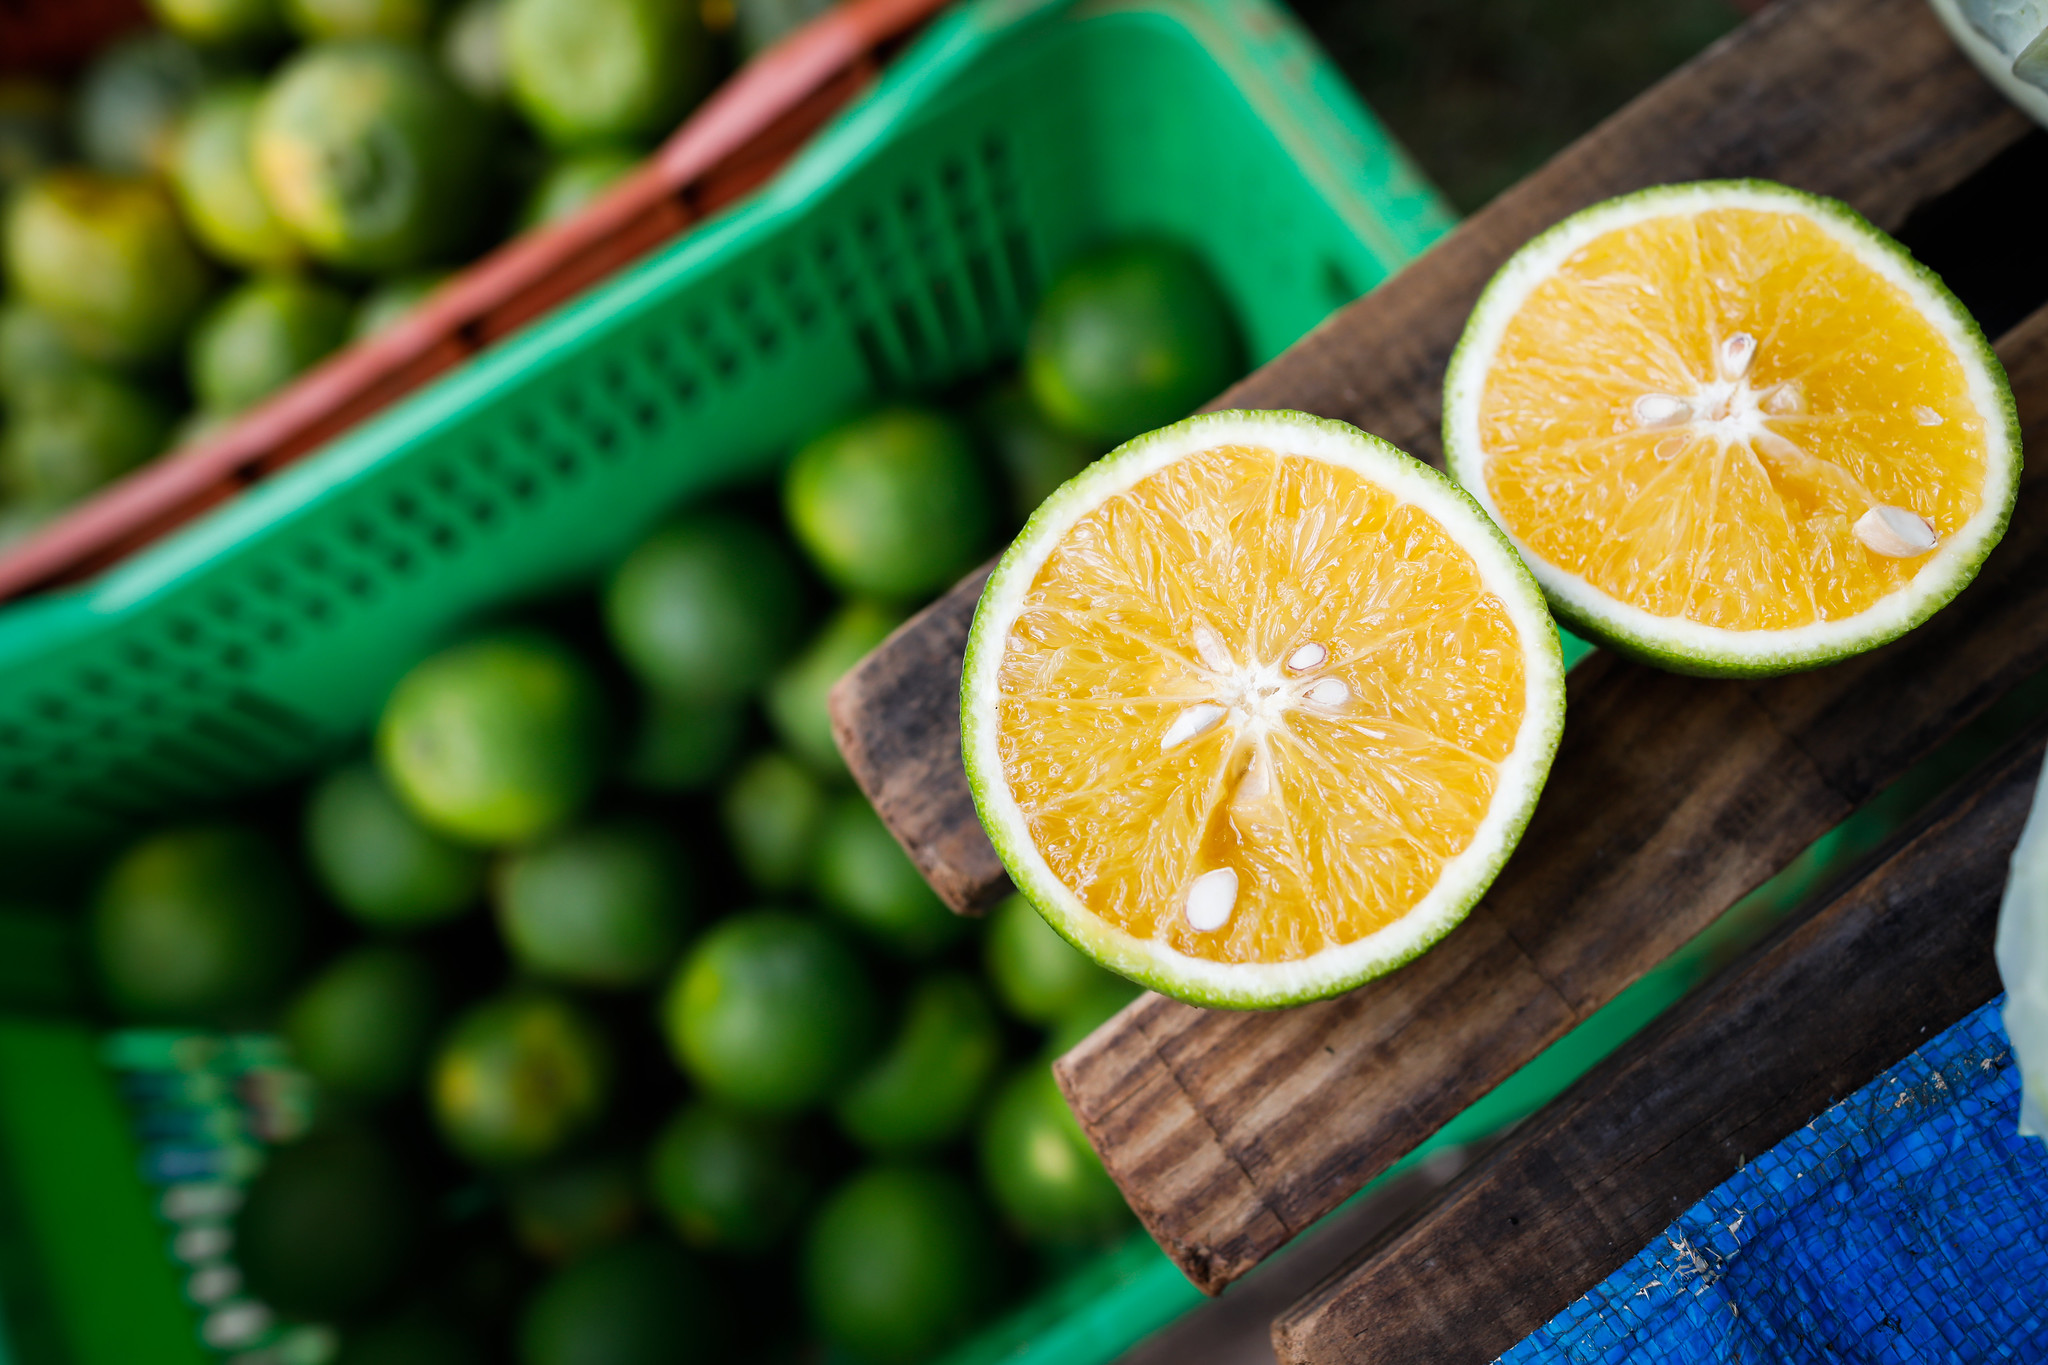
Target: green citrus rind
x=1713 y=651
x=1464 y=880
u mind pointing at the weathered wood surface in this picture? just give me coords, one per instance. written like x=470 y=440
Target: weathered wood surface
x=1863 y=99
x=1899 y=954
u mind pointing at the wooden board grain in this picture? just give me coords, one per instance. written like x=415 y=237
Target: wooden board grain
x=1898 y=954
x=1866 y=100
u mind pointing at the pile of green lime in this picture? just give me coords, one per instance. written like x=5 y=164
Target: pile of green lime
x=614 y=990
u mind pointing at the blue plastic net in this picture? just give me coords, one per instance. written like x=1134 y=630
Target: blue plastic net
x=1909 y=1223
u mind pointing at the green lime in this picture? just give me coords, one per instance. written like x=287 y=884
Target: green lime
x=1039 y=976
x=568 y=1209
x=585 y=71
x=892 y=504
x=221 y=23
x=1045 y=1178
x=706 y=608
x=643 y=1302
x=392 y=299
x=260 y=337
x=519 y=1077
x=196 y=924
x=106 y=259
x=132 y=97
x=574 y=180
x=33 y=133
x=496 y=740
x=371 y=155
x=796 y=696
x=380 y=864
x=602 y=905
x=321 y=20
x=1088 y=1012
x=213 y=173
x=1128 y=339
x=862 y=874
x=727 y=1181
x=923 y=1089
x=420 y=1337
x=898 y=1263
x=1036 y=457
x=327 y=1225
x=33 y=347
x=362 y=1027
x=771 y=1012
x=72 y=433
x=772 y=812
x=473 y=50
x=682 y=746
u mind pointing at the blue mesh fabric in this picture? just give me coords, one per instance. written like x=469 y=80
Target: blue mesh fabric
x=1907 y=1224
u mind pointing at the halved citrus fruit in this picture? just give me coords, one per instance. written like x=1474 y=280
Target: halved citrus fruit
x=1733 y=428
x=1256 y=706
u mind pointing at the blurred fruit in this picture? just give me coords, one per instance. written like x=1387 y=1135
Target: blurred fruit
x=1039 y=976
x=683 y=746
x=392 y=299
x=519 y=1077
x=891 y=504
x=601 y=905
x=420 y=1337
x=362 y=1027
x=922 y=1091
x=199 y=425
x=195 y=924
x=265 y=333
x=726 y=1180
x=213 y=173
x=771 y=1012
x=571 y=1208
x=585 y=71
x=898 y=1262
x=1128 y=339
x=1035 y=456
x=1045 y=1178
x=574 y=180
x=221 y=23
x=706 y=608
x=371 y=155
x=327 y=1225
x=772 y=812
x=131 y=99
x=641 y=1303
x=322 y=20
x=473 y=50
x=380 y=864
x=1090 y=1011
x=862 y=875
x=796 y=696
x=108 y=261
x=496 y=740
x=33 y=135
x=71 y=433
x=32 y=347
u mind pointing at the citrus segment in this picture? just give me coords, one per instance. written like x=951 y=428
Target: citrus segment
x=1255 y=707
x=1732 y=426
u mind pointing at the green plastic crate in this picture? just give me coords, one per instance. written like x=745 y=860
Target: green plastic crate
x=901 y=250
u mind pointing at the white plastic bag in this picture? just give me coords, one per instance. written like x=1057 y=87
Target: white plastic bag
x=2022 y=951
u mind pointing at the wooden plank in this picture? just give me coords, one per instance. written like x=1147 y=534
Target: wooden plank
x=1901 y=953
x=1866 y=100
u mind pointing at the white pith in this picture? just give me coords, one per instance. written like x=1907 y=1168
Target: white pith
x=1733 y=411
x=1251 y=696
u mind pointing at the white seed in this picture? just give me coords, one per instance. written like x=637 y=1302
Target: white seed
x=1661 y=410
x=1735 y=356
x=1195 y=720
x=1896 y=532
x=1785 y=400
x=1308 y=656
x=1254 y=785
x=1926 y=416
x=1211 y=898
x=1328 y=692
x=1209 y=645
